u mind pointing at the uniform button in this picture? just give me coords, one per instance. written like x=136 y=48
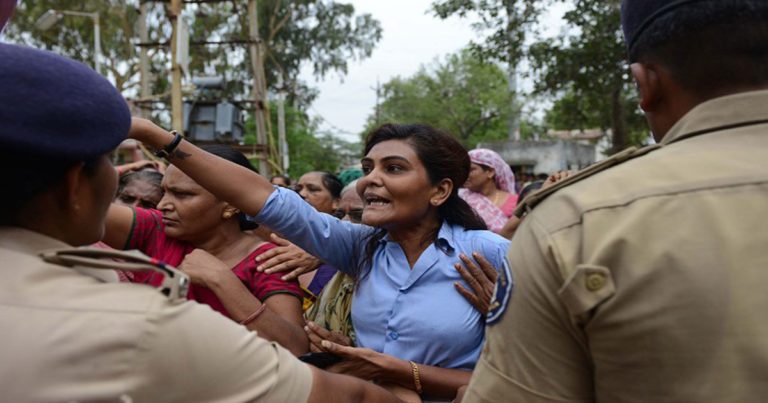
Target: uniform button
x=595 y=281
x=393 y=335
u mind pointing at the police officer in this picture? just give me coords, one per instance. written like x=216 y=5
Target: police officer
x=646 y=282
x=67 y=332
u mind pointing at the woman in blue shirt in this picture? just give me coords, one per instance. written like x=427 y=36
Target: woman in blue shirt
x=413 y=328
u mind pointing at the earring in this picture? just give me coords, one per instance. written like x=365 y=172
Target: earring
x=227 y=215
x=434 y=202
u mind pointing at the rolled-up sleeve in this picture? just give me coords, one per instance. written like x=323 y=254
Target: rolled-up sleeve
x=336 y=242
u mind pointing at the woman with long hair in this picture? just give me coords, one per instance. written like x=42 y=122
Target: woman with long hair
x=414 y=330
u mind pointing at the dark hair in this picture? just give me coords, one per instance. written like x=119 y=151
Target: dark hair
x=443 y=158
x=528 y=189
x=149 y=176
x=331 y=182
x=24 y=177
x=710 y=46
x=285 y=177
x=238 y=158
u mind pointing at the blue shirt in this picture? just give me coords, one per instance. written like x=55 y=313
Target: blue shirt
x=412 y=314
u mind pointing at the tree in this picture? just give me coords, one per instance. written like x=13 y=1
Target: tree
x=462 y=95
x=588 y=73
x=328 y=34
x=509 y=22
x=308 y=149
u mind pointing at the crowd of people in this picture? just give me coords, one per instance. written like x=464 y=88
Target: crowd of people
x=430 y=273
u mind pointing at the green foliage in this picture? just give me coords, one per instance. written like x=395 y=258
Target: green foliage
x=327 y=34
x=588 y=74
x=308 y=148
x=461 y=95
x=73 y=35
x=507 y=22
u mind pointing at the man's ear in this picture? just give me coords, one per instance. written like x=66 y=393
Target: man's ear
x=648 y=85
x=441 y=192
x=70 y=190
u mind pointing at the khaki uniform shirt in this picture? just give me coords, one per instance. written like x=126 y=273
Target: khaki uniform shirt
x=68 y=336
x=646 y=282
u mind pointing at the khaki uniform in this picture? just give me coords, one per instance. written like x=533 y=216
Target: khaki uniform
x=66 y=335
x=647 y=282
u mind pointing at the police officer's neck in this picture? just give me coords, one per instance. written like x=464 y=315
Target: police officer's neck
x=662 y=98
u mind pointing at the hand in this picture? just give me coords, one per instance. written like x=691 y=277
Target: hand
x=509 y=228
x=317 y=334
x=482 y=281
x=403 y=393
x=460 y=394
x=139 y=165
x=286 y=256
x=555 y=177
x=203 y=268
x=363 y=363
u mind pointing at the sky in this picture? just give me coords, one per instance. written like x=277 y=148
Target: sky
x=411 y=37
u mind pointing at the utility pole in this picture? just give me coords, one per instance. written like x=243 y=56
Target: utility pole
x=143 y=59
x=259 y=85
x=282 y=145
x=378 y=93
x=177 y=111
x=512 y=53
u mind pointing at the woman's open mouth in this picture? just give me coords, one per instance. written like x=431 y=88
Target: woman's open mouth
x=375 y=201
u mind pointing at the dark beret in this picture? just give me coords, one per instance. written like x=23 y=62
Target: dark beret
x=57 y=107
x=637 y=15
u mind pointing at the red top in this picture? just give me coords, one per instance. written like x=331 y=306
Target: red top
x=148 y=236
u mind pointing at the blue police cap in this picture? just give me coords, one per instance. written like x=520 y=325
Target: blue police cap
x=637 y=15
x=57 y=107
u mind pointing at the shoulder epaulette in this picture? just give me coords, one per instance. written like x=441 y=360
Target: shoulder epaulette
x=175 y=284
x=525 y=206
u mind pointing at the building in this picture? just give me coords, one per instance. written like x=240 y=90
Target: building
x=544 y=156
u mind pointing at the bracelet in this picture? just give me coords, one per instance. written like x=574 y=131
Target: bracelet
x=166 y=151
x=119 y=171
x=254 y=315
x=416 y=379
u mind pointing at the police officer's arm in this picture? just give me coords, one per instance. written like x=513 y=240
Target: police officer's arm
x=244 y=189
x=191 y=353
x=535 y=352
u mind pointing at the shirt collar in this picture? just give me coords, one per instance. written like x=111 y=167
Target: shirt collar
x=26 y=241
x=445 y=238
x=742 y=109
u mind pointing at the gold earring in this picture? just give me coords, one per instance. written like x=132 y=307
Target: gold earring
x=227 y=215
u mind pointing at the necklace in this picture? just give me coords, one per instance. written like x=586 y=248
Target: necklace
x=496 y=198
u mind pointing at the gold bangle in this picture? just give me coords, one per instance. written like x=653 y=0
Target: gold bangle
x=416 y=379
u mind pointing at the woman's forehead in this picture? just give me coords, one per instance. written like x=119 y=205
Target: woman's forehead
x=312 y=177
x=390 y=148
x=174 y=177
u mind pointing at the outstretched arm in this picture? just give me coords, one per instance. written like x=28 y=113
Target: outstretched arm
x=244 y=189
x=436 y=382
x=117 y=226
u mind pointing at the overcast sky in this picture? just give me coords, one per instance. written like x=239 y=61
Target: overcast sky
x=411 y=36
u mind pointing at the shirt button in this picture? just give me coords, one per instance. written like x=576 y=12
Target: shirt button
x=595 y=281
x=393 y=335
